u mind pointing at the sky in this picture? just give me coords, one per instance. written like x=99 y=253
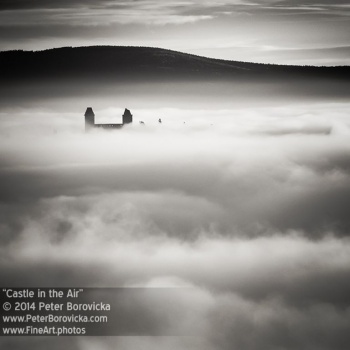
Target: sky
x=312 y=32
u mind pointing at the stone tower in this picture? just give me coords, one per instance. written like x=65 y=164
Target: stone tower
x=89 y=119
x=127 y=117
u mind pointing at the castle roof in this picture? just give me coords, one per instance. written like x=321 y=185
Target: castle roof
x=89 y=112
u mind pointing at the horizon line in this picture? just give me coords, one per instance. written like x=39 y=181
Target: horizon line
x=181 y=52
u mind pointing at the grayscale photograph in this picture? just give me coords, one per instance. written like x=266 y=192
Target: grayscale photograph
x=175 y=175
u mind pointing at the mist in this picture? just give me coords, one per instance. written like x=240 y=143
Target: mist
x=246 y=204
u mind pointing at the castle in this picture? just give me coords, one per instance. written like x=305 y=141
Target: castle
x=90 y=120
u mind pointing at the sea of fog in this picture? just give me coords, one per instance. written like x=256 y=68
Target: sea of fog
x=247 y=206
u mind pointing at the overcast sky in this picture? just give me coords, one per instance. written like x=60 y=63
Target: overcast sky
x=285 y=31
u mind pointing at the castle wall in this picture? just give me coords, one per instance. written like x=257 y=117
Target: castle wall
x=90 y=120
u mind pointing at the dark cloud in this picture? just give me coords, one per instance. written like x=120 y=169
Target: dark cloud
x=21 y=4
x=18 y=33
x=42 y=4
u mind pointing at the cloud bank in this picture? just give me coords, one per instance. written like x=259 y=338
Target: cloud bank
x=247 y=207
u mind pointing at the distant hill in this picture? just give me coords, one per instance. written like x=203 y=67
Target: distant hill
x=120 y=63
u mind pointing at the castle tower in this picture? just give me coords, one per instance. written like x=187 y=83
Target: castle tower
x=89 y=119
x=127 y=117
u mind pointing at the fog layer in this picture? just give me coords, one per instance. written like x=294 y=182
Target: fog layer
x=247 y=206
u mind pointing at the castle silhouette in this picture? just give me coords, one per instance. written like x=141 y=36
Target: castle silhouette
x=90 y=120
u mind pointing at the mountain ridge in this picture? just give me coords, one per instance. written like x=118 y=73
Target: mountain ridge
x=146 y=63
